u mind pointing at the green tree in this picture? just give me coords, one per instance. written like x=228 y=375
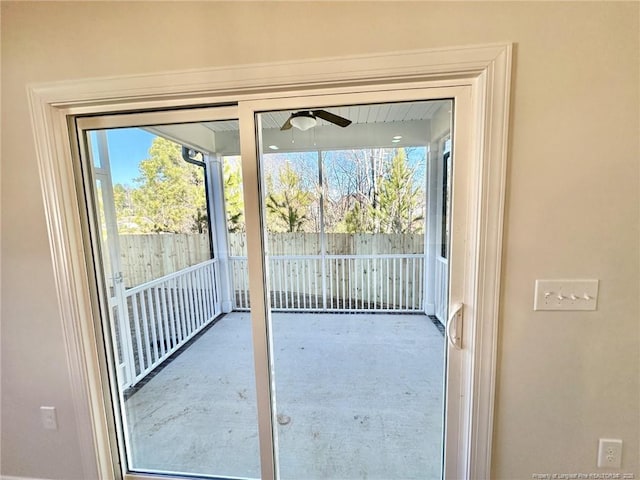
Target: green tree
x=399 y=200
x=357 y=219
x=170 y=196
x=233 y=199
x=287 y=205
x=125 y=208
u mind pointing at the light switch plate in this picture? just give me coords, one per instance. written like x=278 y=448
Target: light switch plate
x=49 y=418
x=566 y=295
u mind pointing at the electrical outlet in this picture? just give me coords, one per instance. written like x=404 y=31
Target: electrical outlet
x=49 y=418
x=609 y=453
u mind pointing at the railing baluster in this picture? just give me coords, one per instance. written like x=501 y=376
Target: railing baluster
x=197 y=278
x=195 y=290
x=136 y=327
x=388 y=284
x=363 y=274
x=406 y=285
x=237 y=286
x=171 y=314
x=211 y=281
x=204 y=295
x=305 y=287
x=179 y=303
x=421 y=304
x=183 y=309
x=310 y=291
x=287 y=279
x=278 y=266
x=193 y=308
x=366 y=283
x=330 y=302
x=415 y=280
x=349 y=295
x=400 y=276
x=297 y=303
x=238 y=295
x=216 y=286
x=245 y=289
x=191 y=291
x=375 y=284
x=152 y=326
x=289 y=287
x=145 y=328
x=344 y=282
x=395 y=282
x=193 y=278
x=159 y=322
x=204 y=299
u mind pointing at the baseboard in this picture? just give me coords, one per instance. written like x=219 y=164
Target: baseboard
x=430 y=309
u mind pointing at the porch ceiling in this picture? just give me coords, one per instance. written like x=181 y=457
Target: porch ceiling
x=374 y=126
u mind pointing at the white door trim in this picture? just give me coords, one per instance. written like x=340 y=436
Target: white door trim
x=488 y=68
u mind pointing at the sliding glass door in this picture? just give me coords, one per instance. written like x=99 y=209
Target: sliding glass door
x=267 y=276
x=358 y=356
x=167 y=219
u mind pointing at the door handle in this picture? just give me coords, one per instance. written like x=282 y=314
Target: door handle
x=455 y=325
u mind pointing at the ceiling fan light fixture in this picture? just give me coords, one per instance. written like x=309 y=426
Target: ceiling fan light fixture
x=303 y=121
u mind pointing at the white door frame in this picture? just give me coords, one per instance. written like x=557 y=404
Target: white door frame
x=487 y=69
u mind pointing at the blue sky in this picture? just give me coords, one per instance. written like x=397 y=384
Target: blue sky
x=127 y=147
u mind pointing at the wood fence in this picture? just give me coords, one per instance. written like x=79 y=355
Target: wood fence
x=147 y=257
x=336 y=244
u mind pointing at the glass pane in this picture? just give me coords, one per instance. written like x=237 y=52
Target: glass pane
x=359 y=369
x=293 y=220
x=172 y=235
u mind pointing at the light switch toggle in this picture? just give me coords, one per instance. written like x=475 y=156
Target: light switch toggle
x=566 y=294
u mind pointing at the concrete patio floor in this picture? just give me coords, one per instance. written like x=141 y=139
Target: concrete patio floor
x=358 y=396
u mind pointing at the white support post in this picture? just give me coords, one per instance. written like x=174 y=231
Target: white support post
x=430 y=237
x=102 y=173
x=218 y=222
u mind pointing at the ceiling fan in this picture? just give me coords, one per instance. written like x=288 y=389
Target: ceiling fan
x=306 y=119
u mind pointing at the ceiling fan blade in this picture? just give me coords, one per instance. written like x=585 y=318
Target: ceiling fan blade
x=330 y=117
x=287 y=125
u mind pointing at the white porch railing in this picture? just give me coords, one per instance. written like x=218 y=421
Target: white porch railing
x=341 y=283
x=162 y=315
x=441 y=283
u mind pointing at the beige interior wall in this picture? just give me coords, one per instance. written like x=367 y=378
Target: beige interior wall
x=564 y=379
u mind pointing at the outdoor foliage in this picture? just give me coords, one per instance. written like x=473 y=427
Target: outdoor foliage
x=233 y=199
x=399 y=204
x=364 y=191
x=168 y=196
x=288 y=204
